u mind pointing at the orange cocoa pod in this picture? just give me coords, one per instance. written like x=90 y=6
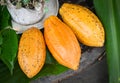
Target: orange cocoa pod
x=32 y=52
x=84 y=23
x=62 y=42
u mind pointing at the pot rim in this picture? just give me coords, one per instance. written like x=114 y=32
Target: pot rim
x=19 y=28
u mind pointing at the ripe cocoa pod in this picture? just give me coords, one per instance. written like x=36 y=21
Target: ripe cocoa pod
x=62 y=42
x=32 y=52
x=84 y=23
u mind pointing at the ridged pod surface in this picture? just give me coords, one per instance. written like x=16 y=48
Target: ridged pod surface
x=32 y=52
x=84 y=23
x=62 y=42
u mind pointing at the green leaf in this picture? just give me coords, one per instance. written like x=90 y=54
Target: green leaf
x=4 y=17
x=17 y=77
x=109 y=13
x=51 y=69
x=1 y=39
x=9 y=47
x=49 y=58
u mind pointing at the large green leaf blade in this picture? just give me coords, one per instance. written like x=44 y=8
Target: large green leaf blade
x=17 y=77
x=9 y=47
x=108 y=12
x=4 y=17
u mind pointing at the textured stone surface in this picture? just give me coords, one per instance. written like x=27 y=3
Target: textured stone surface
x=96 y=73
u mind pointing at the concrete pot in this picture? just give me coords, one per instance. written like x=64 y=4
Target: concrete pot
x=23 y=18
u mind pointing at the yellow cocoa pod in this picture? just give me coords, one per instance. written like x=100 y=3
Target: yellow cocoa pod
x=62 y=42
x=84 y=23
x=32 y=52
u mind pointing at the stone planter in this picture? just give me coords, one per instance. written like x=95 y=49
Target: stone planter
x=23 y=18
